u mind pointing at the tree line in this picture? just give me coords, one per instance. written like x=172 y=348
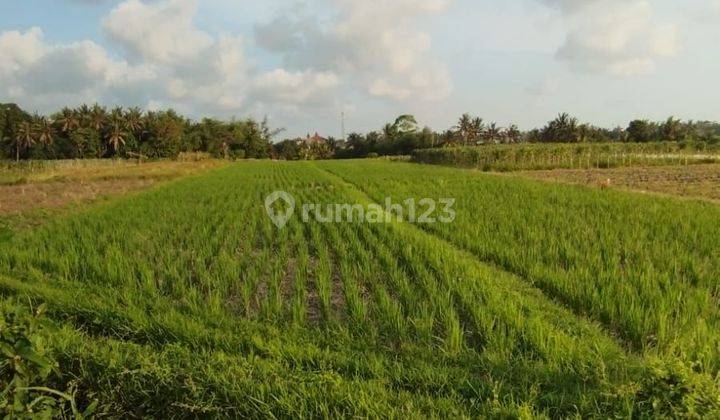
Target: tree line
x=96 y=132
x=404 y=135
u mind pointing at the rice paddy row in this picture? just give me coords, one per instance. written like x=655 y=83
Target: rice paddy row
x=186 y=300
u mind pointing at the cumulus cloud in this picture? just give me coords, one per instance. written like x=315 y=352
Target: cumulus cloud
x=306 y=87
x=20 y=49
x=619 y=37
x=381 y=53
x=160 y=32
x=166 y=60
x=50 y=74
x=157 y=55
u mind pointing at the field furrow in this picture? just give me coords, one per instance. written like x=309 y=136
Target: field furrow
x=636 y=264
x=317 y=318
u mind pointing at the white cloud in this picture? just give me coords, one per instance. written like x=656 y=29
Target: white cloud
x=303 y=87
x=19 y=49
x=379 y=53
x=196 y=71
x=44 y=75
x=158 y=32
x=157 y=55
x=168 y=60
x=619 y=37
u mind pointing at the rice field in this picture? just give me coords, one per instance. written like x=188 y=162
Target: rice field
x=538 y=301
x=545 y=156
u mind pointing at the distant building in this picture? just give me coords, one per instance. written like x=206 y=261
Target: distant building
x=310 y=140
x=314 y=147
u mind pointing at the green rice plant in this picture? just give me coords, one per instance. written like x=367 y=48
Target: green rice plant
x=186 y=301
x=642 y=266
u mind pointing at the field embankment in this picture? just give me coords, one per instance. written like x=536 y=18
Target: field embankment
x=538 y=156
x=185 y=300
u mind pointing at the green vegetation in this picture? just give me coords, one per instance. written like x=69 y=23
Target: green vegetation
x=644 y=267
x=569 y=156
x=474 y=131
x=546 y=301
x=94 y=132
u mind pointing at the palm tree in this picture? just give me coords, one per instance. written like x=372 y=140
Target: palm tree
x=672 y=129
x=24 y=138
x=68 y=120
x=45 y=130
x=477 y=128
x=464 y=128
x=96 y=117
x=134 y=121
x=116 y=133
x=492 y=133
x=83 y=113
x=563 y=129
x=513 y=134
x=469 y=129
x=116 y=136
x=389 y=131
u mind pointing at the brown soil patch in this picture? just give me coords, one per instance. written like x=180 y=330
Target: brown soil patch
x=22 y=191
x=691 y=181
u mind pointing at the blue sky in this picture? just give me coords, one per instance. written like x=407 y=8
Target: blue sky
x=301 y=63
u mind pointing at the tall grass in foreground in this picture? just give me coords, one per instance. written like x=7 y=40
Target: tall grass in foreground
x=186 y=301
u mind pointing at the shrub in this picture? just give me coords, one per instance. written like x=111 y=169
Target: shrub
x=27 y=366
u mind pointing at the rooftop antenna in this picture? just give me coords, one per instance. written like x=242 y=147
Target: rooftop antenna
x=342 y=124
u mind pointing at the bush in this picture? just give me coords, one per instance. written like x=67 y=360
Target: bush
x=28 y=366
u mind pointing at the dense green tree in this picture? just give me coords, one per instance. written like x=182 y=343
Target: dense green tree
x=563 y=129
x=405 y=124
x=672 y=129
x=11 y=116
x=286 y=150
x=641 y=131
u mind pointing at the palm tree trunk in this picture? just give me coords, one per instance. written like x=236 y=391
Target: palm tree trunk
x=17 y=153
